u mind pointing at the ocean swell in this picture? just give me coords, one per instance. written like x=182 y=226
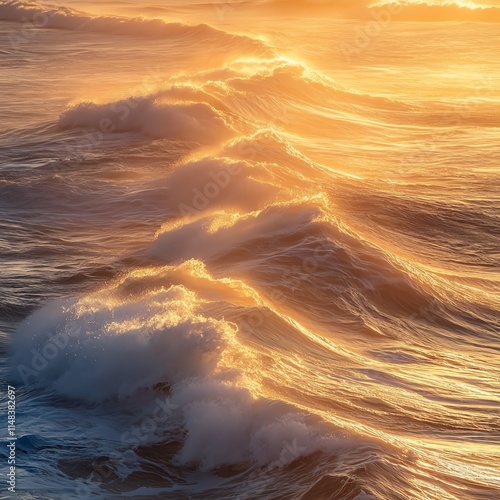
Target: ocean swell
x=191 y=122
x=40 y=15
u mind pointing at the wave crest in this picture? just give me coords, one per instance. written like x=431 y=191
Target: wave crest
x=56 y=17
x=191 y=122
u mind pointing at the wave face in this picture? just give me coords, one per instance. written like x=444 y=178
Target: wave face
x=231 y=271
x=195 y=122
x=46 y=16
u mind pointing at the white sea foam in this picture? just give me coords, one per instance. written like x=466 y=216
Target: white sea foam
x=196 y=122
x=126 y=339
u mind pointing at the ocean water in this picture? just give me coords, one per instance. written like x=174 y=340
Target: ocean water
x=251 y=250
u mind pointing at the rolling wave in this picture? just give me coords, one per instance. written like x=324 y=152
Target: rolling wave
x=40 y=15
x=195 y=122
x=223 y=266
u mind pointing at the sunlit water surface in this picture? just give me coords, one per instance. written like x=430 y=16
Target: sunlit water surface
x=250 y=252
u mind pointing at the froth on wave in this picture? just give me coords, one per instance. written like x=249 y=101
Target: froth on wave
x=148 y=331
x=191 y=122
x=41 y=15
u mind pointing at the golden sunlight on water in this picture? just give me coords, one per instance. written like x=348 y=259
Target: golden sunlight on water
x=251 y=249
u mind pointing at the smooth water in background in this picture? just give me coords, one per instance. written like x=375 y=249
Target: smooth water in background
x=251 y=250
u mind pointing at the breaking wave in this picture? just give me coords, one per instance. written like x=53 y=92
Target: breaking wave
x=41 y=15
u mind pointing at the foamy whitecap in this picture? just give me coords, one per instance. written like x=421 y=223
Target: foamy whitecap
x=132 y=337
x=193 y=122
